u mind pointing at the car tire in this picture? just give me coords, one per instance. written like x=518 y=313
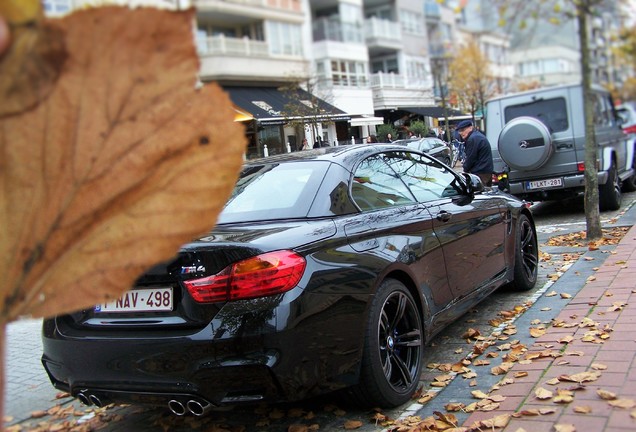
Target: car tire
x=629 y=185
x=525 y=143
x=526 y=255
x=610 y=193
x=393 y=345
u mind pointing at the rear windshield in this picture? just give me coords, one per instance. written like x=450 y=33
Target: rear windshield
x=551 y=112
x=274 y=191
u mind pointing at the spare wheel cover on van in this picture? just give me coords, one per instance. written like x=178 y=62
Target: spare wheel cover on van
x=525 y=143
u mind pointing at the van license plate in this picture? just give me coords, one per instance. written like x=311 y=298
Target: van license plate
x=540 y=184
x=140 y=300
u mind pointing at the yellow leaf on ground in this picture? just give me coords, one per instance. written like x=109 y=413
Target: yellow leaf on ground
x=582 y=409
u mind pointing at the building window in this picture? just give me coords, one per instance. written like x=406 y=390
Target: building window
x=348 y=73
x=56 y=6
x=412 y=22
x=284 y=38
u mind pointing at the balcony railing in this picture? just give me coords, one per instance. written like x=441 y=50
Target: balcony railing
x=382 y=29
x=282 y=4
x=391 y=80
x=220 y=44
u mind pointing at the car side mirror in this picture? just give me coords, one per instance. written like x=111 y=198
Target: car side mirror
x=474 y=183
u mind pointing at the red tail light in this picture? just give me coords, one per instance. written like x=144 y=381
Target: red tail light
x=630 y=129
x=259 y=276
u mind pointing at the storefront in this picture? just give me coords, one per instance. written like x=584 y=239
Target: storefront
x=276 y=121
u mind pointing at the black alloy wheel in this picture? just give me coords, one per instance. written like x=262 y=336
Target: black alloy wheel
x=526 y=255
x=392 y=359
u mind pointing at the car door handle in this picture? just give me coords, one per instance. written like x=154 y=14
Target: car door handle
x=564 y=145
x=444 y=216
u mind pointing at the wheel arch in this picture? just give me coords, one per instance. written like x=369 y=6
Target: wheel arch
x=609 y=157
x=403 y=277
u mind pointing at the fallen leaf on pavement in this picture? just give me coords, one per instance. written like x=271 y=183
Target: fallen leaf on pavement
x=582 y=409
x=563 y=427
x=606 y=395
x=352 y=424
x=543 y=394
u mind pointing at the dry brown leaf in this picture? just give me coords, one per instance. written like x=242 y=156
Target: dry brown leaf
x=581 y=377
x=298 y=428
x=520 y=374
x=606 y=395
x=543 y=394
x=564 y=427
x=501 y=369
x=566 y=339
x=137 y=162
x=536 y=332
x=352 y=424
x=454 y=406
x=563 y=396
x=478 y=394
x=623 y=403
x=500 y=421
x=582 y=409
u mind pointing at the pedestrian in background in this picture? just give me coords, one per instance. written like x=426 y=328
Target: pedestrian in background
x=478 y=153
x=372 y=139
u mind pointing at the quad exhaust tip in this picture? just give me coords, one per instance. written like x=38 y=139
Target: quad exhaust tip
x=192 y=406
x=89 y=399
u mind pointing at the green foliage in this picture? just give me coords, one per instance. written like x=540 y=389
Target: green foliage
x=383 y=130
x=419 y=128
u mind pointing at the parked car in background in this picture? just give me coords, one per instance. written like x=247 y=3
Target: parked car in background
x=538 y=144
x=627 y=112
x=429 y=145
x=329 y=269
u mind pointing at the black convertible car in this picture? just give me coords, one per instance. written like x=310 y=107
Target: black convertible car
x=329 y=269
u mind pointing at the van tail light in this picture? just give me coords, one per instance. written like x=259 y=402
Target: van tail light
x=630 y=129
x=580 y=166
x=263 y=275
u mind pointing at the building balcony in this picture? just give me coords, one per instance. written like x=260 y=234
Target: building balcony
x=245 y=10
x=382 y=36
x=225 y=58
x=333 y=30
x=432 y=11
x=391 y=90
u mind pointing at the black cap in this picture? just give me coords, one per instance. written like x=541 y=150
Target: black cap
x=464 y=124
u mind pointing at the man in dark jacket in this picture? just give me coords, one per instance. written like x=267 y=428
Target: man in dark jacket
x=478 y=153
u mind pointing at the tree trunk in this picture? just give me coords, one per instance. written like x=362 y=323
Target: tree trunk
x=591 y=199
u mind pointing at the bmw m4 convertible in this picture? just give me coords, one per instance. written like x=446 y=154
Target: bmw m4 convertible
x=328 y=270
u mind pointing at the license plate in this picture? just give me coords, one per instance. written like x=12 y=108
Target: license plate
x=140 y=300
x=539 y=184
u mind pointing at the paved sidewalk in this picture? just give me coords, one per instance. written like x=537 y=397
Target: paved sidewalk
x=580 y=375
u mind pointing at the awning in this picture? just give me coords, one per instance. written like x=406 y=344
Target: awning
x=269 y=105
x=366 y=121
x=432 y=111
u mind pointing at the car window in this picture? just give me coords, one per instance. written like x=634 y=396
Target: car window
x=375 y=185
x=601 y=110
x=274 y=191
x=427 y=179
x=551 y=112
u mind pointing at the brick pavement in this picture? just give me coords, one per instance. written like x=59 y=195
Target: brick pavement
x=601 y=319
x=27 y=386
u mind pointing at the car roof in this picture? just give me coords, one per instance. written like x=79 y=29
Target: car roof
x=346 y=155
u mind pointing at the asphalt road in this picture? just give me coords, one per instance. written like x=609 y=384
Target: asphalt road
x=330 y=414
